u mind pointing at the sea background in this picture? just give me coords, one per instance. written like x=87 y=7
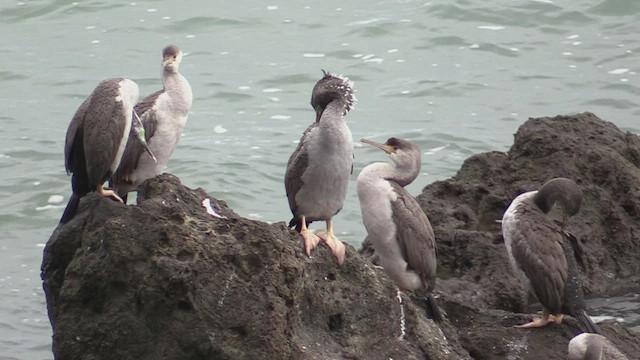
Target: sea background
x=456 y=77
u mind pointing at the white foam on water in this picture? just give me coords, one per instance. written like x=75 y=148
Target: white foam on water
x=55 y=199
x=618 y=71
x=491 y=27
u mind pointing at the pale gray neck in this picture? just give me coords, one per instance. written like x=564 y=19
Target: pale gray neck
x=390 y=172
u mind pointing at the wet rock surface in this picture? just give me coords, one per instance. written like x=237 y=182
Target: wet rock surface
x=166 y=279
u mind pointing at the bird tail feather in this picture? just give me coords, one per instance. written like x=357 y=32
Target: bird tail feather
x=432 y=309
x=71 y=209
x=587 y=324
x=295 y=223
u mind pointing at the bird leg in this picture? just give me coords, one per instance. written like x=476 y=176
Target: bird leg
x=337 y=247
x=108 y=193
x=546 y=319
x=310 y=239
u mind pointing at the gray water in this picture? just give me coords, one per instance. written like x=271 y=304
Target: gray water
x=457 y=77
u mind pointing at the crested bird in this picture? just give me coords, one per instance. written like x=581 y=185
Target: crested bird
x=96 y=139
x=317 y=176
x=543 y=254
x=399 y=230
x=164 y=116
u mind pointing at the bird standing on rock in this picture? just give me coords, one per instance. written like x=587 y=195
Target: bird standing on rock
x=399 y=230
x=164 y=116
x=96 y=139
x=541 y=252
x=318 y=171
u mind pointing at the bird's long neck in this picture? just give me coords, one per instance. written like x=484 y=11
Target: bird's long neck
x=382 y=171
x=177 y=87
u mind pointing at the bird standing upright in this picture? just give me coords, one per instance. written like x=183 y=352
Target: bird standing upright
x=542 y=254
x=399 y=230
x=318 y=171
x=96 y=139
x=164 y=116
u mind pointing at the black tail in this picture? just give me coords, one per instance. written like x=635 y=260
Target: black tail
x=295 y=222
x=586 y=323
x=432 y=309
x=71 y=209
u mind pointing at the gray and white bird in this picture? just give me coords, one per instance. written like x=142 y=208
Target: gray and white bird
x=543 y=255
x=593 y=347
x=96 y=139
x=318 y=171
x=164 y=116
x=399 y=230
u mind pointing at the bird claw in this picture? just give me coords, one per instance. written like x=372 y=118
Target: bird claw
x=337 y=247
x=310 y=241
x=110 y=193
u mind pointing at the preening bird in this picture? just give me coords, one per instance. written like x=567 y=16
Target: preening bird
x=542 y=253
x=318 y=171
x=399 y=230
x=96 y=139
x=164 y=116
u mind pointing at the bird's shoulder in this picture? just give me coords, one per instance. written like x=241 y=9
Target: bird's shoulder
x=75 y=127
x=146 y=104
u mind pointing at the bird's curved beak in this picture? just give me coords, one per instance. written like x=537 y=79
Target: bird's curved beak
x=384 y=147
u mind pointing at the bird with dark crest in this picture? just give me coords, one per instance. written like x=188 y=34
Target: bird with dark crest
x=164 y=115
x=399 y=230
x=96 y=139
x=318 y=171
x=543 y=254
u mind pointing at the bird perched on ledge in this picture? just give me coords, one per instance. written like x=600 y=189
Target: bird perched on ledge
x=164 y=116
x=399 y=230
x=96 y=139
x=318 y=171
x=542 y=253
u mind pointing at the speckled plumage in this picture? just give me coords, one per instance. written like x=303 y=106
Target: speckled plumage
x=540 y=252
x=96 y=138
x=164 y=116
x=317 y=176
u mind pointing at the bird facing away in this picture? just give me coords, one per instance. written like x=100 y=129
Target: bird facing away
x=399 y=230
x=96 y=139
x=593 y=347
x=542 y=254
x=164 y=116
x=318 y=171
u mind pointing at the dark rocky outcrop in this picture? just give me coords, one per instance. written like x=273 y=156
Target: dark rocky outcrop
x=166 y=280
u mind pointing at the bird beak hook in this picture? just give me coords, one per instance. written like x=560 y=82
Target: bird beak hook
x=384 y=147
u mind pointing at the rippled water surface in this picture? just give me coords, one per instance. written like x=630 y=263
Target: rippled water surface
x=457 y=77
